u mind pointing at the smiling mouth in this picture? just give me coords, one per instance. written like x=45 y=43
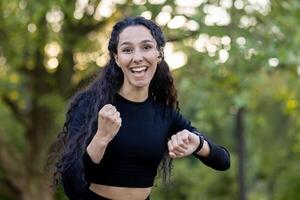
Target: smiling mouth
x=138 y=69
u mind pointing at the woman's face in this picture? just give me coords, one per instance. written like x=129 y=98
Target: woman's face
x=137 y=56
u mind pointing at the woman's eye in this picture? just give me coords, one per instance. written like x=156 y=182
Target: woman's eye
x=147 y=47
x=126 y=50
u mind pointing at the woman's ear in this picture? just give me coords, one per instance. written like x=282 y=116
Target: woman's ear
x=116 y=59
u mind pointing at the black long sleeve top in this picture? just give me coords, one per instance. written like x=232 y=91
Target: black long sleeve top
x=131 y=159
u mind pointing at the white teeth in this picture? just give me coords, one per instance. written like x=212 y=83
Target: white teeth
x=138 y=69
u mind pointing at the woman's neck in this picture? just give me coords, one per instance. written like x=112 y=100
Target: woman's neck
x=135 y=95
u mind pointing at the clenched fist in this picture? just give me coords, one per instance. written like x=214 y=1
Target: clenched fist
x=182 y=144
x=109 y=122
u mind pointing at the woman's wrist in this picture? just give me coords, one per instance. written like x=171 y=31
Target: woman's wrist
x=99 y=137
x=204 y=151
x=203 y=148
x=200 y=145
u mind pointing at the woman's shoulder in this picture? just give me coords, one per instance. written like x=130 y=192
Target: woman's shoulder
x=81 y=98
x=78 y=110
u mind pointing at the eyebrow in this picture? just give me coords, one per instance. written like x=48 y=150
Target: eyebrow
x=144 y=41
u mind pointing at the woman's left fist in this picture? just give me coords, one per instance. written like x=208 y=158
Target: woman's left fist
x=182 y=144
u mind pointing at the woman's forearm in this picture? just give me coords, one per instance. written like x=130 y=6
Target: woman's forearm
x=96 y=148
x=218 y=157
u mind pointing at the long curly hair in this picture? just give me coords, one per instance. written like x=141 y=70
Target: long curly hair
x=70 y=148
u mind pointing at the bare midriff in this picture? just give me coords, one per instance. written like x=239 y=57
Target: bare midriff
x=120 y=193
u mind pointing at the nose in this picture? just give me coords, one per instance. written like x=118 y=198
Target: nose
x=137 y=57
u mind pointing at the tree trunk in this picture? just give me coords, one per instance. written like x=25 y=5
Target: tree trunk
x=37 y=188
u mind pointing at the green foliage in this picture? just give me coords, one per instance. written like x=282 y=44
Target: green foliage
x=191 y=181
x=14 y=132
x=260 y=75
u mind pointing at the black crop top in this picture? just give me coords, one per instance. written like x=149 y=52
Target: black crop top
x=131 y=159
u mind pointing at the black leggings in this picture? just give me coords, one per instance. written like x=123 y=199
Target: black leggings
x=90 y=195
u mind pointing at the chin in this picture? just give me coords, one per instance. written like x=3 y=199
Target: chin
x=141 y=85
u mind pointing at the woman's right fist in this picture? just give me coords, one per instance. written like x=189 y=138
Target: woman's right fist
x=109 y=122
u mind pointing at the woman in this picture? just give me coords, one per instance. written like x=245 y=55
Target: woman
x=127 y=122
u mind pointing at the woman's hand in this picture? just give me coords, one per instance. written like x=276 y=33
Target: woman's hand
x=182 y=144
x=109 y=123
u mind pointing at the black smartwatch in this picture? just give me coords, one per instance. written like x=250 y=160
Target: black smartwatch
x=201 y=142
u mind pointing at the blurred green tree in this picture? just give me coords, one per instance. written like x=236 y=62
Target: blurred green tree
x=240 y=54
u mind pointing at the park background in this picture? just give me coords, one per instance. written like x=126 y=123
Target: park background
x=237 y=70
